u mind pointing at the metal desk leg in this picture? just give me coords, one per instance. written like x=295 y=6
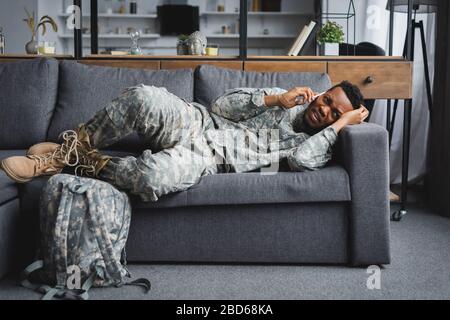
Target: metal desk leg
x=388 y=121
x=397 y=215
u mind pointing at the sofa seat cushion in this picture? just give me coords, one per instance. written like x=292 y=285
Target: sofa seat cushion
x=8 y=188
x=83 y=90
x=329 y=184
x=211 y=82
x=27 y=100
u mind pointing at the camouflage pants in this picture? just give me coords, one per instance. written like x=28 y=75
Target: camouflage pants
x=178 y=154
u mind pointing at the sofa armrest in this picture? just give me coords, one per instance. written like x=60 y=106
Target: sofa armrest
x=363 y=151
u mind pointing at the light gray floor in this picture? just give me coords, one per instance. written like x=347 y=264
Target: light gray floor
x=420 y=269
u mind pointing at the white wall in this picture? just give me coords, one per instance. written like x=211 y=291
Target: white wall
x=15 y=30
x=371 y=29
x=52 y=8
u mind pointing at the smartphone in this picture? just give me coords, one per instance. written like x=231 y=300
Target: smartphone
x=301 y=100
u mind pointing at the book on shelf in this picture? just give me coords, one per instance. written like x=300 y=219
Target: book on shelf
x=310 y=40
x=256 y=5
x=119 y=53
x=305 y=34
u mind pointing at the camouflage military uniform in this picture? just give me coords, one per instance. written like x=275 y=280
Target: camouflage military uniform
x=186 y=141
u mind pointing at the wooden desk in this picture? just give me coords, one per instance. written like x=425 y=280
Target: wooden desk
x=378 y=77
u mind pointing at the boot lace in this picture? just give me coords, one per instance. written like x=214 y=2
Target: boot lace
x=69 y=148
x=44 y=161
x=65 y=154
x=88 y=164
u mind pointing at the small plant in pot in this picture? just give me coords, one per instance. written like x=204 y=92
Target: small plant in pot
x=32 y=46
x=330 y=36
x=182 y=45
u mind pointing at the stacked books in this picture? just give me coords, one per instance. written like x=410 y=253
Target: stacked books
x=303 y=37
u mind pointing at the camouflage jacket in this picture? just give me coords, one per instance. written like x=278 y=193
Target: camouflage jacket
x=276 y=132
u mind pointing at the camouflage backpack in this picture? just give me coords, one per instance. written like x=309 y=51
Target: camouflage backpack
x=84 y=227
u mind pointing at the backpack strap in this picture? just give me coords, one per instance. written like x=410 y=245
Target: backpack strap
x=62 y=228
x=26 y=273
x=141 y=282
x=98 y=227
x=104 y=242
x=49 y=292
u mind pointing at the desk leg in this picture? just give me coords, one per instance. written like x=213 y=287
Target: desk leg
x=397 y=215
x=388 y=116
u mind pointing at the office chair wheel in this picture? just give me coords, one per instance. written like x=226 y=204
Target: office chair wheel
x=398 y=215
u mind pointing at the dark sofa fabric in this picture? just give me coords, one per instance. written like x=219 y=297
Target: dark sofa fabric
x=27 y=99
x=265 y=233
x=8 y=189
x=10 y=228
x=369 y=184
x=83 y=90
x=211 y=82
x=328 y=185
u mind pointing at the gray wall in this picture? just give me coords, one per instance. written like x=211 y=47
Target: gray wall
x=16 y=30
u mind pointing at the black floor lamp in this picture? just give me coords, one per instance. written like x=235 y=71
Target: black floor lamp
x=416 y=6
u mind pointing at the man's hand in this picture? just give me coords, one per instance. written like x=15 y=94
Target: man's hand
x=356 y=116
x=288 y=99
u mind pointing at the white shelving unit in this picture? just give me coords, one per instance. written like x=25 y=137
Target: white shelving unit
x=253 y=13
x=251 y=36
x=117 y=15
x=283 y=27
x=113 y=36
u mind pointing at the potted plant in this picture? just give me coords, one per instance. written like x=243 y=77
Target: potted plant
x=182 y=45
x=32 y=46
x=330 y=36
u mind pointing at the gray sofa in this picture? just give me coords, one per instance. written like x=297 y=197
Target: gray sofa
x=337 y=215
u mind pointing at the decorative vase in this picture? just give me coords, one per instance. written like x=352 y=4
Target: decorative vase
x=135 y=49
x=32 y=46
x=331 y=49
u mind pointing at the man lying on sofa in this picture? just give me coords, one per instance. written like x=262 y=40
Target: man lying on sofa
x=186 y=141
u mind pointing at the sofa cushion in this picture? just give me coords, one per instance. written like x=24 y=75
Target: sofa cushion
x=8 y=188
x=330 y=184
x=83 y=90
x=211 y=82
x=27 y=100
x=326 y=185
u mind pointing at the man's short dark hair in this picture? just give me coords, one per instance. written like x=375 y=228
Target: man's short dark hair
x=353 y=93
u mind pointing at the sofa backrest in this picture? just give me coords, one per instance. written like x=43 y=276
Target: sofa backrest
x=28 y=92
x=211 y=82
x=42 y=97
x=83 y=90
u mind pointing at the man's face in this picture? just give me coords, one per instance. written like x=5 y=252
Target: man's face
x=327 y=108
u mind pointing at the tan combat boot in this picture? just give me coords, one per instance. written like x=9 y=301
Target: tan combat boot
x=41 y=148
x=24 y=169
x=91 y=163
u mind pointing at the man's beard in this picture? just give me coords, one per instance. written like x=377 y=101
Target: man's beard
x=301 y=125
